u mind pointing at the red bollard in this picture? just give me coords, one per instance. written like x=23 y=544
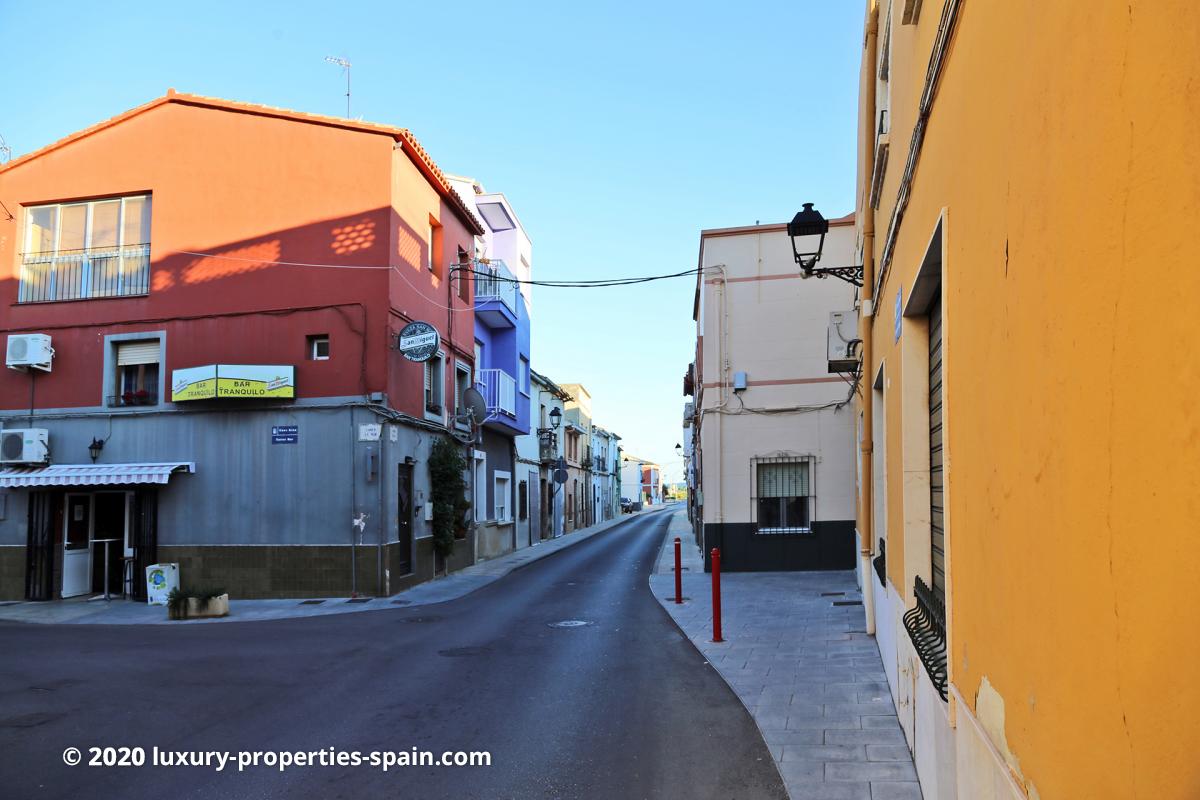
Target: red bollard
x=678 y=573
x=716 y=594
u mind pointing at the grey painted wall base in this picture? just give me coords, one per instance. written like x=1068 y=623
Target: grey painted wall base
x=494 y=539
x=743 y=549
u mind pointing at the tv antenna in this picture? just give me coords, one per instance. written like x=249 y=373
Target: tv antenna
x=5 y=151
x=345 y=65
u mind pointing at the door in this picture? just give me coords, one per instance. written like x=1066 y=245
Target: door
x=44 y=508
x=143 y=536
x=110 y=537
x=404 y=518
x=77 y=562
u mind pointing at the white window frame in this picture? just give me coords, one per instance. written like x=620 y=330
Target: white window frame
x=523 y=378
x=758 y=461
x=480 y=487
x=88 y=230
x=461 y=368
x=501 y=509
x=314 y=342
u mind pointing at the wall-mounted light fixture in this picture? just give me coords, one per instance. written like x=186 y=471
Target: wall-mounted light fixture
x=807 y=231
x=94 y=448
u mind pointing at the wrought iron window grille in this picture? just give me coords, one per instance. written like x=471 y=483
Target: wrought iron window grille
x=926 y=626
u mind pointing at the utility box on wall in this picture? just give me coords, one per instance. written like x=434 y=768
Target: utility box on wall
x=843 y=341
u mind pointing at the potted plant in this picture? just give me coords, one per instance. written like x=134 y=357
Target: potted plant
x=197 y=603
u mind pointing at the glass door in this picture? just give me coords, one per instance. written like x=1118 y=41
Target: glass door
x=77 y=534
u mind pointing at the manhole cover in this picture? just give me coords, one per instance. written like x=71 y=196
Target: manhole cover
x=570 y=623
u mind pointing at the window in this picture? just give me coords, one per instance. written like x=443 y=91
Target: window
x=434 y=384
x=501 y=496
x=137 y=373
x=318 y=347
x=523 y=378
x=523 y=500
x=462 y=382
x=78 y=251
x=783 y=496
x=478 y=362
x=435 y=247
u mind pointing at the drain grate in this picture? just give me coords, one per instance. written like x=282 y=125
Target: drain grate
x=833 y=594
x=311 y=602
x=570 y=623
x=417 y=620
x=463 y=652
x=359 y=600
x=401 y=602
x=847 y=602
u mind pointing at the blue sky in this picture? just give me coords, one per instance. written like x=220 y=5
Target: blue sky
x=618 y=131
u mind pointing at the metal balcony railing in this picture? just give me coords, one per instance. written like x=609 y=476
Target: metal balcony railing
x=494 y=281
x=84 y=274
x=499 y=390
x=926 y=626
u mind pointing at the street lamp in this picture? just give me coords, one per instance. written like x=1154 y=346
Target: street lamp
x=555 y=417
x=807 y=231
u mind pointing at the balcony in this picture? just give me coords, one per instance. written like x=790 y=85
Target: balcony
x=496 y=296
x=499 y=390
x=84 y=274
x=547 y=446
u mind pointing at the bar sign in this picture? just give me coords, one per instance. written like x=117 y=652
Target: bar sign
x=285 y=434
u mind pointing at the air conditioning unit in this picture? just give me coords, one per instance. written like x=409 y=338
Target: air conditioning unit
x=843 y=341
x=24 y=446
x=27 y=350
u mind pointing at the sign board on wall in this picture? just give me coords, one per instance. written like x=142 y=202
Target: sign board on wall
x=285 y=434
x=233 y=380
x=899 y=312
x=419 y=341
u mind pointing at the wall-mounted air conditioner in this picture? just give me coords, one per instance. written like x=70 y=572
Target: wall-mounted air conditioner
x=29 y=350
x=843 y=341
x=24 y=446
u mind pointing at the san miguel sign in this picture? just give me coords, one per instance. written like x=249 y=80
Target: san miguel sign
x=233 y=380
x=419 y=341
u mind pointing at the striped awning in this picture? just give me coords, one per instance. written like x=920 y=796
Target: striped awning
x=91 y=474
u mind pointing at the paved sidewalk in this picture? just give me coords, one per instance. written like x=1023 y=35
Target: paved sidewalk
x=439 y=590
x=809 y=675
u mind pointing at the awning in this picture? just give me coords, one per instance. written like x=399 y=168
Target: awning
x=91 y=474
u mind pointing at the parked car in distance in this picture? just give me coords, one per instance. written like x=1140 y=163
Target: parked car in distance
x=626 y=505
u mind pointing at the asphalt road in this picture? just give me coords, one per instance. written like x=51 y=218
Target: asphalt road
x=622 y=707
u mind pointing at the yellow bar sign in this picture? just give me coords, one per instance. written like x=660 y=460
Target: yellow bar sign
x=233 y=380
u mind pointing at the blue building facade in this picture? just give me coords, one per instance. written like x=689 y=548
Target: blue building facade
x=503 y=494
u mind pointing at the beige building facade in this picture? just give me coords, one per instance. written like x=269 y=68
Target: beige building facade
x=772 y=446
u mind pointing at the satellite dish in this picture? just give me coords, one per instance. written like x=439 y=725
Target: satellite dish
x=473 y=400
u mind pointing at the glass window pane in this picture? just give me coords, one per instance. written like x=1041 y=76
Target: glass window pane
x=795 y=512
x=73 y=223
x=768 y=513
x=137 y=220
x=104 y=223
x=41 y=229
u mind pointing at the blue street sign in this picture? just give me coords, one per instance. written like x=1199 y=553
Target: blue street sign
x=285 y=434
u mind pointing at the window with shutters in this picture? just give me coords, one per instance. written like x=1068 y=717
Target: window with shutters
x=137 y=372
x=783 y=495
x=434 y=384
x=462 y=382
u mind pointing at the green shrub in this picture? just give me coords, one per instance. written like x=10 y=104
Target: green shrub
x=448 y=493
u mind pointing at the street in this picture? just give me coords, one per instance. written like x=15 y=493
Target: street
x=623 y=706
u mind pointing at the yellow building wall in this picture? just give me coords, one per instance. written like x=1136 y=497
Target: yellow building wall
x=1064 y=147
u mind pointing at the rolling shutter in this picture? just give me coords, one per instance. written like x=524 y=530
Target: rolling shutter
x=145 y=352
x=937 y=518
x=787 y=479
